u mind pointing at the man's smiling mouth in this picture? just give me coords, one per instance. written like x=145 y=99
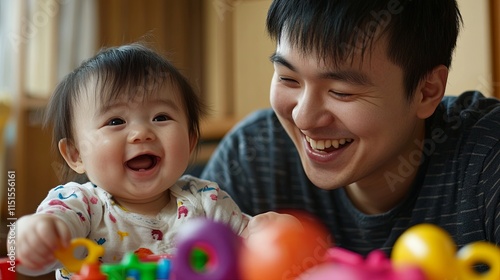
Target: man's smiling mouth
x=142 y=162
x=328 y=145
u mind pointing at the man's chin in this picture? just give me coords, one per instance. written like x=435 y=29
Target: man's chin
x=325 y=184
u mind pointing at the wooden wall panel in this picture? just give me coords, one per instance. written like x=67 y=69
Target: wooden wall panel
x=172 y=27
x=495 y=40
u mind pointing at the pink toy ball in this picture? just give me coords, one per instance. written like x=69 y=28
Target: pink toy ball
x=346 y=265
x=332 y=271
x=206 y=250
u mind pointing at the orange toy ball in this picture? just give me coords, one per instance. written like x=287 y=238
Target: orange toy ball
x=285 y=248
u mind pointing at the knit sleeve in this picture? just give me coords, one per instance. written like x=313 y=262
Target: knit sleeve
x=483 y=168
x=490 y=182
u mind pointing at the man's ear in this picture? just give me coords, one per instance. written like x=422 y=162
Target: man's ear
x=430 y=91
x=71 y=155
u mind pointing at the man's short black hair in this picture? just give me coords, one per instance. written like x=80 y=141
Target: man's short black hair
x=421 y=34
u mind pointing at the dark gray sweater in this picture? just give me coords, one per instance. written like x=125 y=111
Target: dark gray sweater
x=457 y=186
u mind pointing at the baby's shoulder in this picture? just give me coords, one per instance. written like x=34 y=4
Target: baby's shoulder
x=76 y=189
x=188 y=184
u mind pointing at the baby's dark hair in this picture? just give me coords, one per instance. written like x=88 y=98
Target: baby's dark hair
x=421 y=34
x=133 y=70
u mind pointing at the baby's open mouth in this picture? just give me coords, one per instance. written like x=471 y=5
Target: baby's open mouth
x=142 y=162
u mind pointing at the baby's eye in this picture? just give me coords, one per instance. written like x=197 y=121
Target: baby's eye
x=116 y=121
x=161 y=118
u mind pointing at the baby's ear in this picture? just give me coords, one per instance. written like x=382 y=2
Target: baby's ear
x=71 y=155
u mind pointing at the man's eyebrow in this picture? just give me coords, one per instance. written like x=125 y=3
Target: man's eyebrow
x=276 y=58
x=350 y=76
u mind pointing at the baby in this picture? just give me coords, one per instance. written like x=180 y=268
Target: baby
x=126 y=123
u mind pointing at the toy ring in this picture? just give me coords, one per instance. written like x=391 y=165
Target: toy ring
x=67 y=257
x=476 y=253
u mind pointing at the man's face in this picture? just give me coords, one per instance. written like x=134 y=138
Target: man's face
x=351 y=123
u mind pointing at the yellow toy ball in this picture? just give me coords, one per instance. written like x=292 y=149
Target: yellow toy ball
x=429 y=247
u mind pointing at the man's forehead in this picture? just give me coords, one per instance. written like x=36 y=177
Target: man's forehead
x=353 y=59
x=292 y=56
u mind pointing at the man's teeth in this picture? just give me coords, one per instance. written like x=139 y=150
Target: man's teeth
x=324 y=144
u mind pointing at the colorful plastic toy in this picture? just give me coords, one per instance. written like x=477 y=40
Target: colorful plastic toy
x=90 y=272
x=206 y=250
x=67 y=255
x=343 y=264
x=285 y=250
x=131 y=267
x=432 y=249
x=8 y=268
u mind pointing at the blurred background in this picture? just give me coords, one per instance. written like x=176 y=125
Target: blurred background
x=220 y=45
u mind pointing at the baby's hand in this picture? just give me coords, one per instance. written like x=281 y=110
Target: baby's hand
x=37 y=237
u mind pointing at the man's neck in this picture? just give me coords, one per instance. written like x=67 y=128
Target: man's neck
x=376 y=199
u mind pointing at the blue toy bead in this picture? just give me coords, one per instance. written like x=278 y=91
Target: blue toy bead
x=163 y=269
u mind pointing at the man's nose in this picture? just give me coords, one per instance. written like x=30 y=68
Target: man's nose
x=311 y=110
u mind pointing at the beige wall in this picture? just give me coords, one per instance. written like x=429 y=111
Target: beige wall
x=252 y=68
x=472 y=68
x=239 y=72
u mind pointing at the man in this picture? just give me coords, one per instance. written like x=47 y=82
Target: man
x=360 y=134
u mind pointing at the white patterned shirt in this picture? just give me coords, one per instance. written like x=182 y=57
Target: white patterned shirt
x=91 y=212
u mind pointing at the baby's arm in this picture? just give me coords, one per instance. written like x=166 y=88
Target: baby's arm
x=37 y=237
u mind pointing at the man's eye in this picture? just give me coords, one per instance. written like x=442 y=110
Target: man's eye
x=161 y=118
x=341 y=95
x=116 y=121
x=287 y=80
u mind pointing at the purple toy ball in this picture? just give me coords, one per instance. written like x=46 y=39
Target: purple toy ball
x=215 y=242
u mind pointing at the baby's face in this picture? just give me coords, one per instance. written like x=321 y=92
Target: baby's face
x=134 y=149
